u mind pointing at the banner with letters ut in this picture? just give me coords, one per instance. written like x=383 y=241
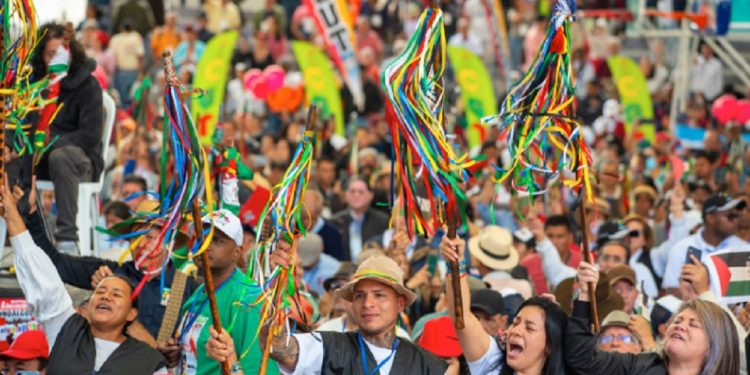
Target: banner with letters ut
x=211 y=76
x=337 y=34
x=320 y=83
x=634 y=96
x=477 y=94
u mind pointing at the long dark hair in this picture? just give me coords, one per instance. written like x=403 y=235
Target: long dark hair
x=555 y=324
x=55 y=31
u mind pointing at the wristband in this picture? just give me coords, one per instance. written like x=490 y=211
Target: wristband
x=461 y=268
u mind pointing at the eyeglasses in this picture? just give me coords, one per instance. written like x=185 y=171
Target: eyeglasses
x=625 y=339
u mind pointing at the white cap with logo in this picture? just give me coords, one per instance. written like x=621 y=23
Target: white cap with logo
x=227 y=222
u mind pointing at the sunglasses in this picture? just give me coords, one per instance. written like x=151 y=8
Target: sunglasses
x=732 y=216
x=625 y=339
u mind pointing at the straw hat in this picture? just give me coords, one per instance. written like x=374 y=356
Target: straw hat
x=646 y=190
x=494 y=248
x=383 y=270
x=147 y=213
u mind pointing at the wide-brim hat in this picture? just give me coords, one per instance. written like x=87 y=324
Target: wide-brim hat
x=600 y=205
x=494 y=248
x=607 y=299
x=646 y=190
x=383 y=270
x=147 y=214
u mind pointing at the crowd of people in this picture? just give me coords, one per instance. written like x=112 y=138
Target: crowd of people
x=371 y=295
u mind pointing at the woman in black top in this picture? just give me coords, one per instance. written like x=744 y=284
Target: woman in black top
x=700 y=340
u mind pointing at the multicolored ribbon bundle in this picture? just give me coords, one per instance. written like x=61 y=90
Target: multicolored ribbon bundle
x=538 y=118
x=422 y=154
x=20 y=95
x=283 y=215
x=188 y=184
x=191 y=179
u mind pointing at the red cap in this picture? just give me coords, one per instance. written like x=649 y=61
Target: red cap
x=29 y=345
x=663 y=136
x=439 y=338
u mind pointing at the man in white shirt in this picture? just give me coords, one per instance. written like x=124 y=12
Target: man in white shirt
x=465 y=39
x=707 y=74
x=720 y=216
x=378 y=297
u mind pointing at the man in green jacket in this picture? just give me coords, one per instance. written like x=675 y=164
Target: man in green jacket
x=234 y=296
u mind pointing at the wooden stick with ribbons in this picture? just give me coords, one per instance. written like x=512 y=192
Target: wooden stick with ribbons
x=587 y=257
x=458 y=302
x=210 y=287
x=172 y=80
x=283 y=214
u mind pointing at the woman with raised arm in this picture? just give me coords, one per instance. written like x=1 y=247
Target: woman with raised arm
x=533 y=342
x=96 y=343
x=700 y=340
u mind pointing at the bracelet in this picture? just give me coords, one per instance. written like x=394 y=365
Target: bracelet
x=236 y=368
x=461 y=268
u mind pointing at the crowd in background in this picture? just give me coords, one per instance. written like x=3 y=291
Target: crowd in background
x=644 y=224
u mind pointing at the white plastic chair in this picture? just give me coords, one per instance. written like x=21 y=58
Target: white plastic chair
x=88 y=192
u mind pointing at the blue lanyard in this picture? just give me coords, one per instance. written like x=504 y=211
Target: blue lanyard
x=193 y=313
x=363 y=353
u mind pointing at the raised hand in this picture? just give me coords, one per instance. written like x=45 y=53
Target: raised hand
x=586 y=274
x=452 y=249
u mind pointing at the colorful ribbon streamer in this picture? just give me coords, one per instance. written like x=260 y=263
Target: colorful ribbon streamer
x=538 y=118
x=283 y=215
x=422 y=154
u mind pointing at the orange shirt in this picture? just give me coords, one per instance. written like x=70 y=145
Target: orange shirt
x=162 y=39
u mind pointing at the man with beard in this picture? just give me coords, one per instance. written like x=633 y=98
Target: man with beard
x=378 y=296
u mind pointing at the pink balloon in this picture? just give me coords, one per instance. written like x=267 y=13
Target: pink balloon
x=742 y=112
x=250 y=77
x=274 y=77
x=724 y=108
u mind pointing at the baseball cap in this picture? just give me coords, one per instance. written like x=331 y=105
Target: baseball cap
x=227 y=222
x=309 y=249
x=721 y=203
x=621 y=272
x=612 y=230
x=29 y=345
x=693 y=218
x=488 y=301
x=439 y=338
x=523 y=235
x=616 y=318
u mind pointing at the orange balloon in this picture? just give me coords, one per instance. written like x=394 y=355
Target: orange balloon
x=286 y=99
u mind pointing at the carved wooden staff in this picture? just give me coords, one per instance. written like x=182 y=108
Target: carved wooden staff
x=174 y=304
x=312 y=116
x=210 y=289
x=587 y=257
x=198 y=224
x=458 y=302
